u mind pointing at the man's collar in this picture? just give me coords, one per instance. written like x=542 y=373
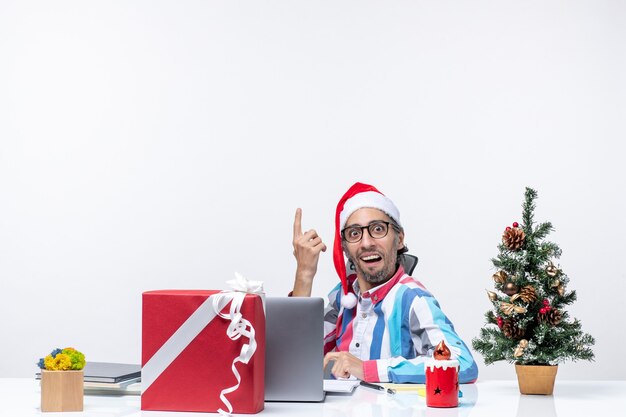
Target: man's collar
x=379 y=292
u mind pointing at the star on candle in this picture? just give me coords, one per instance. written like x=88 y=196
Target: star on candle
x=437 y=391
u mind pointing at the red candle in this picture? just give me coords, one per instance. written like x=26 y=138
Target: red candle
x=442 y=379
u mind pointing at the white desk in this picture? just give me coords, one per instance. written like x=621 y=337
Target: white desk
x=19 y=397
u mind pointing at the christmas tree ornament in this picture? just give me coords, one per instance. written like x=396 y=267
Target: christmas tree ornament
x=500 y=277
x=550 y=315
x=519 y=350
x=552 y=270
x=500 y=321
x=528 y=294
x=509 y=309
x=492 y=295
x=513 y=238
x=560 y=288
x=511 y=330
x=510 y=289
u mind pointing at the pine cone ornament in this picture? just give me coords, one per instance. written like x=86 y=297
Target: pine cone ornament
x=513 y=238
x=511 y=330
x=550 y=315
x=528 y=294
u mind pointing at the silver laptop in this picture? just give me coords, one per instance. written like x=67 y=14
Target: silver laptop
x=294 y=349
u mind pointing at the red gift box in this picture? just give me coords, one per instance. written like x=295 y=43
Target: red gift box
x=187 y=355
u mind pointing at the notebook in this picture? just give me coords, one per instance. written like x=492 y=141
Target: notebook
x=340 y=385
x=111 y=372
x=294 y=349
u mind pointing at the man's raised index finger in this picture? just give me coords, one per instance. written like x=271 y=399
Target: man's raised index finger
x=297 y=223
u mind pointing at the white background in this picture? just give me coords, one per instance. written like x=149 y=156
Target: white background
x=166 y=144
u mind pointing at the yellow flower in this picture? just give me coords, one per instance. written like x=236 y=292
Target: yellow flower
x=48 y=361
x=61 y=362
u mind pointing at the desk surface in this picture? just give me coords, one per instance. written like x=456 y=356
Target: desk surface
x=19 y=397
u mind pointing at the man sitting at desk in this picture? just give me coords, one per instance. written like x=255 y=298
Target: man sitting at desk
x=381 y=324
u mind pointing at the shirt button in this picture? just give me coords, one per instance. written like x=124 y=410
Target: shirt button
x=375 y=298
x=357 y=345
x=363 y=315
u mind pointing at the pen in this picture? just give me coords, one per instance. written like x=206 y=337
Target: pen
x=377 y=387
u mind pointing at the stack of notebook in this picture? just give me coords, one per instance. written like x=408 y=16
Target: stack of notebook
x=111 y=378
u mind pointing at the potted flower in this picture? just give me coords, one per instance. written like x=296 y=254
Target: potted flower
x=528 y=324
x=62 y=380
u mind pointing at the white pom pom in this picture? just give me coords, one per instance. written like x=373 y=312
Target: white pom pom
x=348 y=300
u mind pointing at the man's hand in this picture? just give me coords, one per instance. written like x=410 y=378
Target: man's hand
x=306 y=249
x=346 y=364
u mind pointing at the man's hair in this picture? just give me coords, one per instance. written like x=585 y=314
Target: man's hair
x=398 y=229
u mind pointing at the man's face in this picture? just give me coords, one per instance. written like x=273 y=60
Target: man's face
x=374 y=259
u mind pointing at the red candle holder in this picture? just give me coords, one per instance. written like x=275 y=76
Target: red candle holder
x=442 y=383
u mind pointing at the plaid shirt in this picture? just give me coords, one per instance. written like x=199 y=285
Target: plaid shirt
x=394 y=329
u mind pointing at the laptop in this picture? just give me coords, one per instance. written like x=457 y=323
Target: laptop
x=294 y=349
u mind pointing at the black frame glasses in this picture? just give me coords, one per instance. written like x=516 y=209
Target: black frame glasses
x=371 y=229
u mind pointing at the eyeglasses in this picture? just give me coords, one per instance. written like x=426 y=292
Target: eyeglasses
x=377 y=230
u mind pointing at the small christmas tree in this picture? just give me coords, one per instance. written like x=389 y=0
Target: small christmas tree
x=531 y=326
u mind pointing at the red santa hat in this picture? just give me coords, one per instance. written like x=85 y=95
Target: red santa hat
x=357 y=197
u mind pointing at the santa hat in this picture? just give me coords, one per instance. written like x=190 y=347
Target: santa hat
x=357 y=197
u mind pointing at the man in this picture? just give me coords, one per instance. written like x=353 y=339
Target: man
x=381 y=325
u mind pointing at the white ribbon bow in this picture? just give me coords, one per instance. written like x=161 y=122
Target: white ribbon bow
x=243 y=284
x=238 y=326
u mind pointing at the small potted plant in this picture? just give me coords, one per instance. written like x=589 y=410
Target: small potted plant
x=62 y=380
x=528 y=324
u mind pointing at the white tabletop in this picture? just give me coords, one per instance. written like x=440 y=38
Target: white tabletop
x=21 y=396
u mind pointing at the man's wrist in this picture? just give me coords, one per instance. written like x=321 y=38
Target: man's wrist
x=303 y=282
x=302 y=285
